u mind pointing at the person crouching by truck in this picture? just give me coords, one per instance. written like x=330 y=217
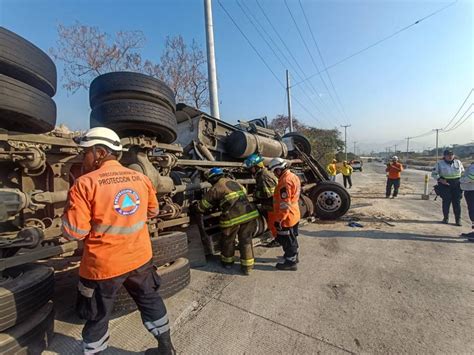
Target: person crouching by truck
x=237 y=219
x=108 y=208
x=347 y=174
x=467 y=185
x=448 y=172
x=332 y=170
x=394 y=170
x=285 y=217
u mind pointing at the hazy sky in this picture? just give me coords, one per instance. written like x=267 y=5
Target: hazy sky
x=405 y=86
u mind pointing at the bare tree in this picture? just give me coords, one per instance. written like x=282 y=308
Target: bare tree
x=87 y=52
x=183 y=69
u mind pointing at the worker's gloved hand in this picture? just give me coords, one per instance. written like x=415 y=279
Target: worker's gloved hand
x=277 y=225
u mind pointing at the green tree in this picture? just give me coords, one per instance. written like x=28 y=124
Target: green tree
x=325 y=143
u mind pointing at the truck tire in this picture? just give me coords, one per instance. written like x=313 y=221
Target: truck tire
x=24 y=108
x=168 y=247
x=301 y=141
x=128 y=85
x=331 y=200
x=136 y=117
x=24 y=290
x=174 y=277
x=32 y=336
x=23 y=61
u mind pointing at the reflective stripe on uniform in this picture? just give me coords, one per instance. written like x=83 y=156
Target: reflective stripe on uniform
x=205 y=204
x=104 y=228
x=247 y=262
x=234 y=195
x=159 y=326
x=73 y=229
x=238 y=220
x=284 y=232
x=96 y=346
x=227 y=259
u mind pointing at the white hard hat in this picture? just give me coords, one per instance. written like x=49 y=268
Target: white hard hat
x=277 y=163
x=394 y=157
x=102 y=136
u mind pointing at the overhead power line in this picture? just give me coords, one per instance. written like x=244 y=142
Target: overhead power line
x=378 y=42
x=253 y=21
x=323 y=61
x=261 y=58
x=291 y=55
x=309 y=52
x=460 y=107
x=459 y=123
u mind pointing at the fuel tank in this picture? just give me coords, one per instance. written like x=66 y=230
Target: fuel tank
x=241 y=144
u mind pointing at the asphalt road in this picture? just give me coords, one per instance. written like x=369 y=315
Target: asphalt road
x=403 y=283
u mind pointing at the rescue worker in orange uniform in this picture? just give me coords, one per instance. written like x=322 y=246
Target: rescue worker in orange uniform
x=238 y=218
x=285 y=216
x=108 y=208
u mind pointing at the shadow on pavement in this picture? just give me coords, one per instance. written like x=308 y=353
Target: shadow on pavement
x=417 y=221
x=371 y=234
x=74 y=346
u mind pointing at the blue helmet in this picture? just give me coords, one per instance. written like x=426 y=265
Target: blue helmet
x=214 y=172
x=253 y=160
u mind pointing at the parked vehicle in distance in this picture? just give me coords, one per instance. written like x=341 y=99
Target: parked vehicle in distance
x=356 y=164
x=369 y=160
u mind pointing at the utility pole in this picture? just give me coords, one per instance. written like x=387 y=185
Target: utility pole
x=408 y=144
x=345 y=138
x=211 y=61
x=395 y=151
x=355 y=148
x=437 y=133
x=288 y=95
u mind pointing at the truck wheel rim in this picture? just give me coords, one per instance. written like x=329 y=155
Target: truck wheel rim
x=329 y=201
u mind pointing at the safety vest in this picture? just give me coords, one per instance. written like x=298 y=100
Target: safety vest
x=108 y=208
x=444 y=170
x=332 y=169
x=285 y=201
x=265 y=184
x=467 y=180
x=394 y=170
x=346 y=170
x=231 y=199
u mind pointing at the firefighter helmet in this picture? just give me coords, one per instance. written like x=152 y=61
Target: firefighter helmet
x=253 y=159
x=277 y=163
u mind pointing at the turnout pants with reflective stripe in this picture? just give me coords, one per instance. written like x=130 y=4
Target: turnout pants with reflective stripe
x=287 y=238
x=244 y=232
x=96 y=299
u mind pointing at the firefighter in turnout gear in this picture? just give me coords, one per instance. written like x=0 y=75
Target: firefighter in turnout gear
x=286 y=212
x=265 y=183
x=238 y=217
x=447 y=172
x=108 y=208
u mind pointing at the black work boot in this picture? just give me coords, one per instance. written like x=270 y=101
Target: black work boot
x=287 y=266
x=445 y=220
x=245 y=270
x=165 y=347
x=458 y=222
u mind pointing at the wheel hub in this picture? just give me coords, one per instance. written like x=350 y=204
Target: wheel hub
x=329 y=201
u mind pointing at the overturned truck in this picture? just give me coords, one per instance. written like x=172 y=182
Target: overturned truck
x=172 y=144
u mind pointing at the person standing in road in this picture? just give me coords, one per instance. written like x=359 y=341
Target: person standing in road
x=108 y=208
x=394 y=169
x=447 y=172
x=347 y=174
x=265 y=183
x=467 y=185
x=332 y=170
x=285 y=216
x=238 y=217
